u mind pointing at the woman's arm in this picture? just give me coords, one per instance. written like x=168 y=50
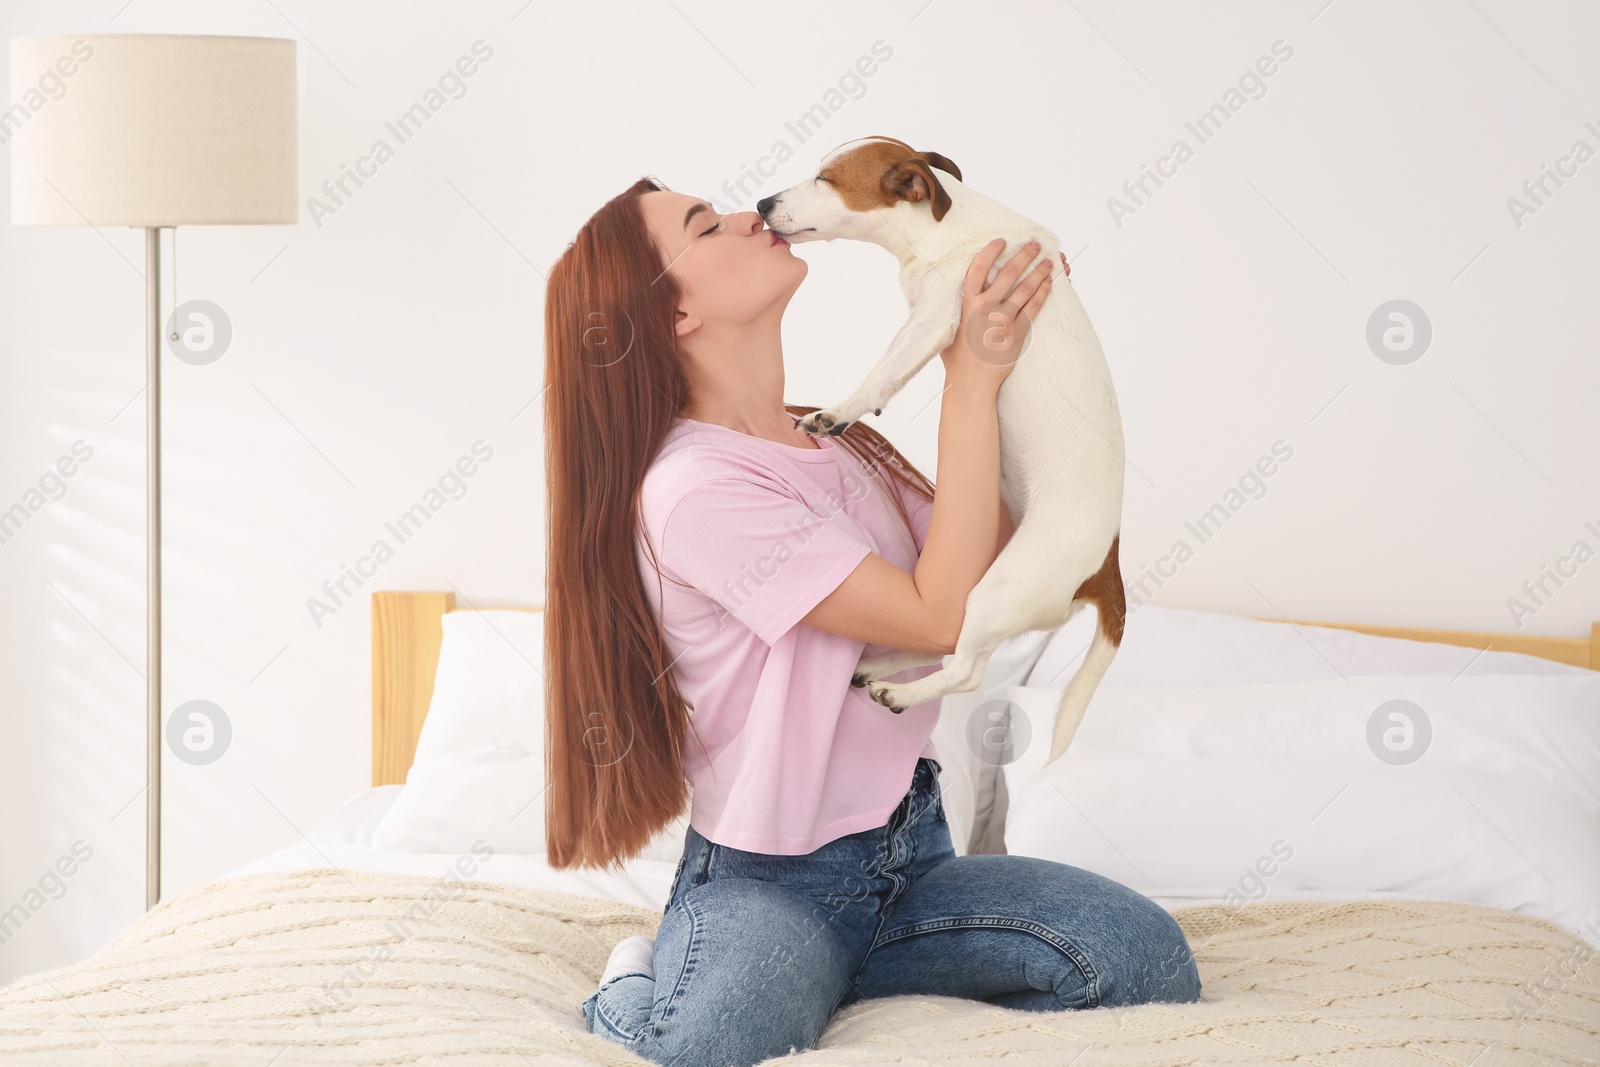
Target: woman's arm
x=922 y=611
x=962 y=532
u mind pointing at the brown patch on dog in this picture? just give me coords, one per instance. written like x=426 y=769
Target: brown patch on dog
x=1103 y=588
x=882 y=173
x=944 y=163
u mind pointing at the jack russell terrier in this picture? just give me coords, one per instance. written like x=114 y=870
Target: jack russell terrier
x=1061 y=451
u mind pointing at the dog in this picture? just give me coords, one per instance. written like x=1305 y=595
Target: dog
x=1061 y=448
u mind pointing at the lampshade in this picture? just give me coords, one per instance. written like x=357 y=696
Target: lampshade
x=151 y=130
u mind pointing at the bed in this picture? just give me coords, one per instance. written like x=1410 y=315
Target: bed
x=418 y=924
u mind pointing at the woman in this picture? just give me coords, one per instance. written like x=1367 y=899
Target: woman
x=715 y=574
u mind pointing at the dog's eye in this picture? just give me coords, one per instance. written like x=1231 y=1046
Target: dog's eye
x=820 y=178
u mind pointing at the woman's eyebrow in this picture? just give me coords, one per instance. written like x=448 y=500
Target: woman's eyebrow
x=702 y=206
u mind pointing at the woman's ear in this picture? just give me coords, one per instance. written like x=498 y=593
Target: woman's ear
x=684 y=322
x=913 y=180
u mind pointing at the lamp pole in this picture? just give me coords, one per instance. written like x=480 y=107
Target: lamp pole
x=152 y=275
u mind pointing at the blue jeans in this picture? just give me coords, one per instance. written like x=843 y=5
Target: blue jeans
x=755 y=952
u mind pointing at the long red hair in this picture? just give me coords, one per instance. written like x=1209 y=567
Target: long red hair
x=615 y=723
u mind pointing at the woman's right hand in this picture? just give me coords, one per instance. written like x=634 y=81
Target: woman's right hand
x=995 y=318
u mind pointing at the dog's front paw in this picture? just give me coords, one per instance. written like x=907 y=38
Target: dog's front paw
x=835 y=420
x=886 y=693
x=827 y=421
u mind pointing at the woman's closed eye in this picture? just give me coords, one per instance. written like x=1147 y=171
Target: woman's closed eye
x=714 y=228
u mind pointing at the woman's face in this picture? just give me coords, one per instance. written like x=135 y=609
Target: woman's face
x=729 y=267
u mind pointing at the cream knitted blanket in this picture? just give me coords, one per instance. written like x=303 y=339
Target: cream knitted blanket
x=347 y=967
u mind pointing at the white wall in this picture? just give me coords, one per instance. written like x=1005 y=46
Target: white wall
x=372 y=350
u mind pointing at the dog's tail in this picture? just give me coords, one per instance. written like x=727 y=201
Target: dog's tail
x=1104 y=590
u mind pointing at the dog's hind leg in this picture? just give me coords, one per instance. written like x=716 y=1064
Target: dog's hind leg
x=891 y=662
x=992 y=616
x=1104 y=590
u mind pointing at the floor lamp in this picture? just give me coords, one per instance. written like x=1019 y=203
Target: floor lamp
x=152 y=131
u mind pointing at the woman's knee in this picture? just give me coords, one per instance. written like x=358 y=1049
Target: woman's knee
x=745 y=971
x=1158 y=964
x=1140 y=954
x=1102 y=942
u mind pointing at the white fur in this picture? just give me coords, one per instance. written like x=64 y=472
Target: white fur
x=1061 y=450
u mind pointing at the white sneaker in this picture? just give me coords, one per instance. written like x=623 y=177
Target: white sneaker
x=633 y=955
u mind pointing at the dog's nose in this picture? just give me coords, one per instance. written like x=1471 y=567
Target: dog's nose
x=764 y=205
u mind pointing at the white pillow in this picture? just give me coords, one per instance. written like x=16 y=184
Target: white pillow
x=352 y=823
x=1244 y=829
x=479 y=766
x=1185 y=792
x=1526 y=725
x=1178 y=647
x=478 y=773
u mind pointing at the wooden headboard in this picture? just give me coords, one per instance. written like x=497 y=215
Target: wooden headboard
x=407 y=631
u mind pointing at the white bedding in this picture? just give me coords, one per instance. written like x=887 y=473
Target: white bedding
x=344 y=841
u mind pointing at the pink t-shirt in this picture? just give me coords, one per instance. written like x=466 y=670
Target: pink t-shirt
x=751 y=535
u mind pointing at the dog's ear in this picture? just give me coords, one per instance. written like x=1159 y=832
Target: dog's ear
x=944 y=163
x=913 y=179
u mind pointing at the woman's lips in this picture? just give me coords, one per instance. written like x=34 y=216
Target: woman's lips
x=775 y=238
